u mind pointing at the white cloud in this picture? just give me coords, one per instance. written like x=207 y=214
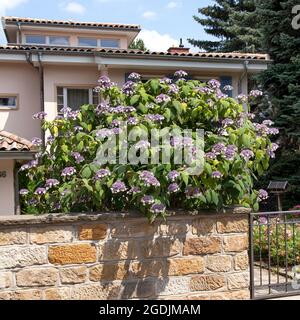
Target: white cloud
x=9 y=4
x=174 y=4
x=149 y=15
x=73 y=7
x=155 y=41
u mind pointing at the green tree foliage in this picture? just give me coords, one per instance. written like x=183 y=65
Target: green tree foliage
x=138 y=44
x=234 y=22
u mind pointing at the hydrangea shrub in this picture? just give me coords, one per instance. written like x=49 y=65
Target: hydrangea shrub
x=65 y=177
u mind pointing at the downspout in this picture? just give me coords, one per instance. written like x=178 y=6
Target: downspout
x=42 y=94
x=19 y=32
x=245 y=73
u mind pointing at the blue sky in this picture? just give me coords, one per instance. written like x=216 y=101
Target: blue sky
x=163 y=21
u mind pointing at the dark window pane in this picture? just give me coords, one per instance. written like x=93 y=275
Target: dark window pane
x=109 y=43
x=77 y=98
x=87 y=42
x=60 y=91
x=36 y=39
x=8 y=101
x=62 y=41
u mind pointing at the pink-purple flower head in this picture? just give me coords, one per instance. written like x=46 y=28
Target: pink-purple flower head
x=217 y=175
x=255 y=93
x=273 y=131
x=50 y=183
x=247 y=154
x=39 y=116
x=154 y=118
x=214 y=84
x=173 y=175
x=40 y=191
x=227 y=122
x=242 y=98
x=158 y=208
x=37 y=142
x=147 y=200
x=149 y=179
x=132 y=121
x=102 y=173
x=143 y=144
x=181 y=74
x=205 y=90
x=262 y=195
x=104 y=83
x=134 y=76
x=173 y=188
x=68 y=172
x=134 y=191
x=182 y=142
x=162 y=98
x=129 y=88
x=263 y=220
x=72 y=115
x=173 y=89
x=118 y=187
x=192 y=192
x=165 y=80
x=104 y=133
x=230 y=152
x=78 y=157
x=272 y=149
x=102 y=108
x=210 y=156
x=218 y=148
x=23 y=192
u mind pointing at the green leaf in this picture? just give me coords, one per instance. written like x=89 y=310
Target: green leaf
x=177 y=106
x=86 y=173
x=185 y=178
x=168 y=114
x=80 y=146
x=134 y=100
x=65 y=148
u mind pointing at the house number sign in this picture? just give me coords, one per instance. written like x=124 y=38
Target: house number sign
x=2 y=174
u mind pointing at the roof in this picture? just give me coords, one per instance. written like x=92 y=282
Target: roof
x=69 y=23
x=11 y=142
x=117 y=52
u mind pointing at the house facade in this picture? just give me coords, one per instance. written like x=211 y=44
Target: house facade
x=48 y=64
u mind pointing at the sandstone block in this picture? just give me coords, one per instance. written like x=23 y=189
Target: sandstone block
x=207 y=282
x=50 y=235
x=73 y=275
x=37 y=277
x=202 y=245
x=92 y=232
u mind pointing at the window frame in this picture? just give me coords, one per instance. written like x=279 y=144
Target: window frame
x=65 y=95
x=98 y=42
x=10 y=95
x=87 y=38
x=47 y=40
x=103 y=39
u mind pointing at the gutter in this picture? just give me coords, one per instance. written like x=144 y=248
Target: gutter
x=17 y=155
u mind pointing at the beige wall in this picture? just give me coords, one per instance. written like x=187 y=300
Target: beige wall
x=23 y=80
x=7 y=190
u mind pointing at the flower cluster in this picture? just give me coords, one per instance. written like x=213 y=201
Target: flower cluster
x=148 y=179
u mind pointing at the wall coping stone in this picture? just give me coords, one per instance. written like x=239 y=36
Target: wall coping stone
x=22 y=220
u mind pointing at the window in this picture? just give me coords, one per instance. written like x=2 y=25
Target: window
x=8 y=102
x=87 y=42
x=35 y=39
x=109 y=43
x=63 y=41
x=74 y=98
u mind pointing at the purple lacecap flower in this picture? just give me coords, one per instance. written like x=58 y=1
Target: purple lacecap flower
x=263 y=220
x=115 y=123
x=78 y=129
x=262 y=195
x=50 y=139
x=32 y=202
x=228 y=88
x=173 y=89
x=214 y=84
x=274 y=147
x=218 y=148
x=65 y=110
x=50 y=183
x=220 y=94
x=23 y=192
x=173 y=175
x=242 y=98
x=162 y=98
x=31 y=164
x=250 y=116
x=143 y=144
x=227 y=122
x=205 y=90
x=39 y=116
x=24 y=167
x=129 y=88
x=104 y=133
x=38 y=155
x=132 y=121
x=273 y=131
x=102 y=173
x=73 y=115
x=180 y=74
x=247 y=154
x=165 y=80
x=129 y=109
x=182 y=142
x=116 y=131
x=192 y=192
x=149 y=179
x=261 y=129
x=40 y=191
x=158 y=208
x=154 y=117
x=78 y=157
x=69 y=171
x=230 y=152
x=118 y=187
x=104 y=83
x=217 y=175
x=117 y=110
x=271 y=153
x=210 y=156
x=102 y=108
x=134 y=191
x=37 y=142
x=255 y=93
x=147 y=200
x=268 y=123
x=223 y=132
x=134 y=76
x=173 y=188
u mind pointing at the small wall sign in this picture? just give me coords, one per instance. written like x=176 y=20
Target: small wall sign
x=2 y=174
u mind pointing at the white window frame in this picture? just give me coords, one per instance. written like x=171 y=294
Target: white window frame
x=47 y=37
x=99 y=42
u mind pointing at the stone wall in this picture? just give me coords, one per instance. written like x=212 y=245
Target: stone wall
x=115 y=256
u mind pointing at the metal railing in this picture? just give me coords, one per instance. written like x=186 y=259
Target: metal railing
x=275 y=254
